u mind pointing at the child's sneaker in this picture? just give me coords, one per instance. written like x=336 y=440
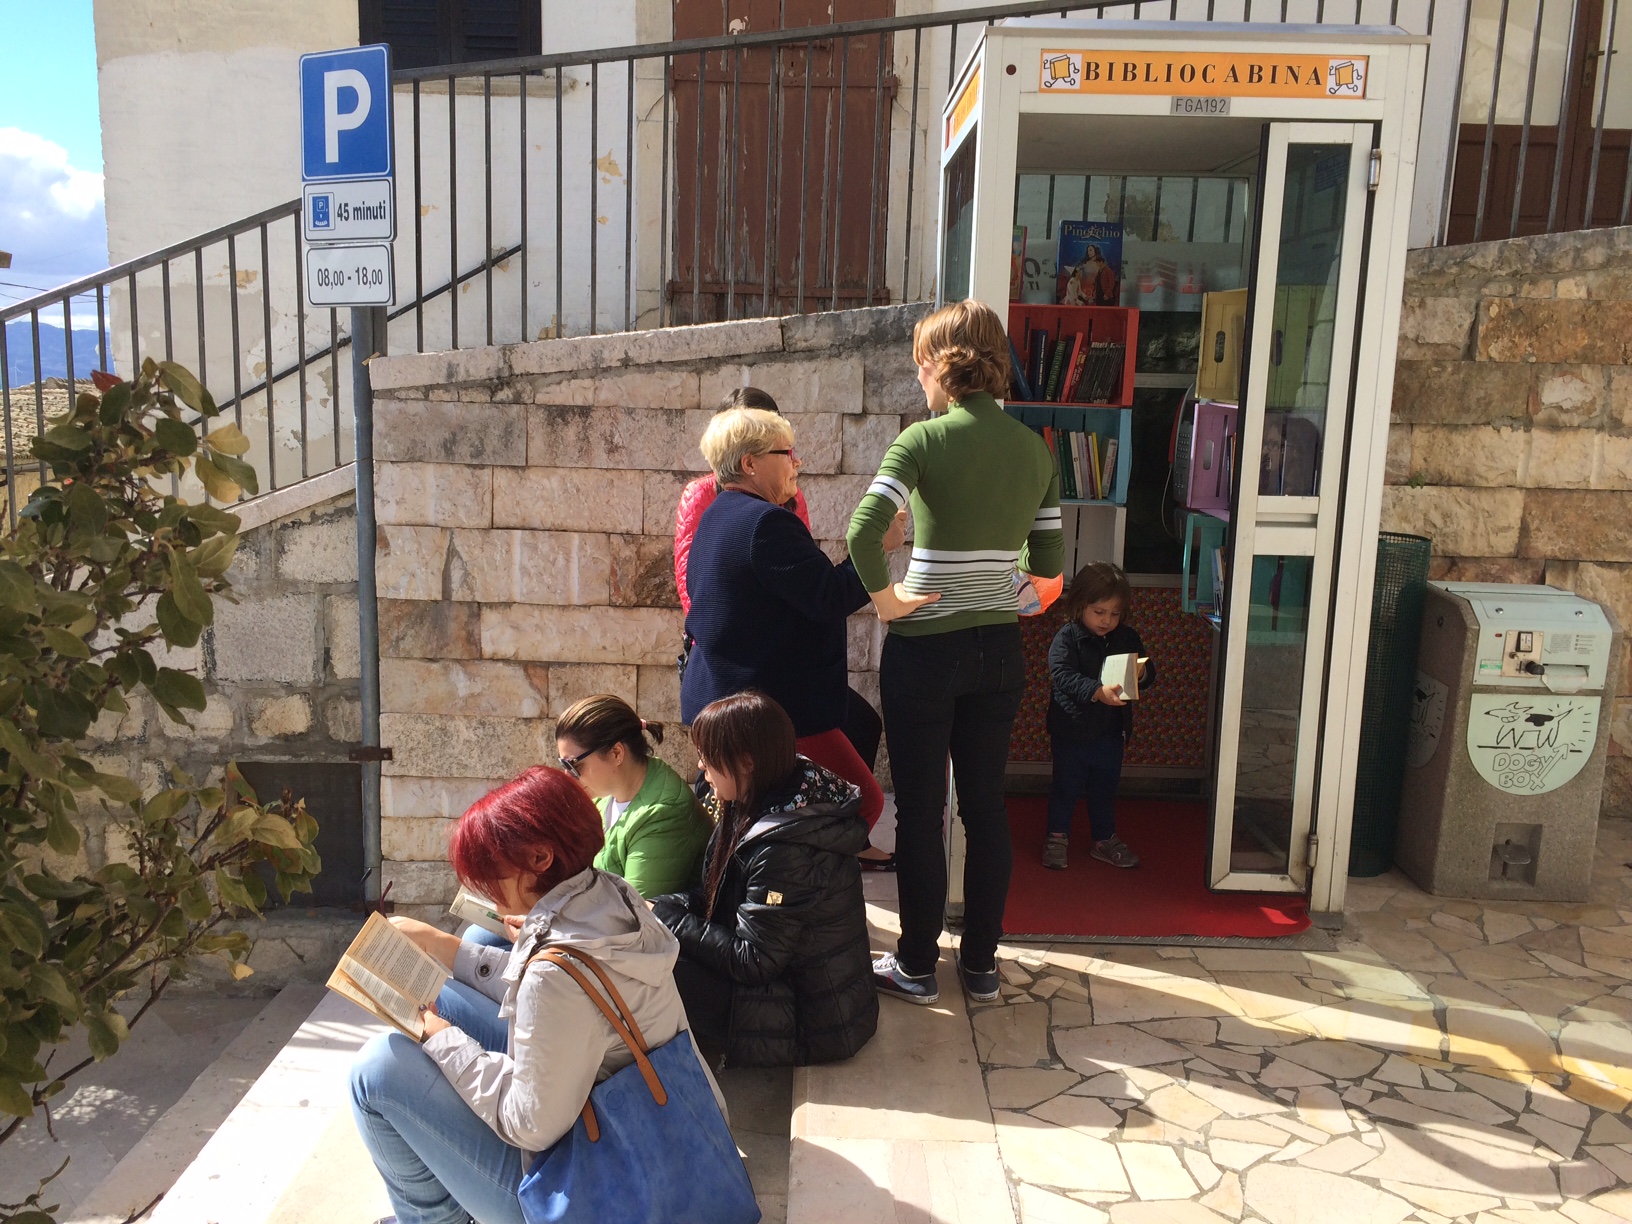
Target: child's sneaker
x=1114 y=850
x=1054 y=851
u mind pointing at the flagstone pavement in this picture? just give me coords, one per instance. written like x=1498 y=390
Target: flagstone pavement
x=1449 y=1060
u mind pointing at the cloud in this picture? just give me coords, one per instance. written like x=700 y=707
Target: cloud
x=52 y=218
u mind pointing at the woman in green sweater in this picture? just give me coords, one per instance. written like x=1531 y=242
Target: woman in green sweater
x=655 y=828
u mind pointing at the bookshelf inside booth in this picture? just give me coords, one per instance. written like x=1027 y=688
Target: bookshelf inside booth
x=1104 y=424
x=1115 y=325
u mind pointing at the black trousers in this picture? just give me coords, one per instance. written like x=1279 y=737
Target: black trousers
x=863 y=728
x=951 y=695
x=707 y=996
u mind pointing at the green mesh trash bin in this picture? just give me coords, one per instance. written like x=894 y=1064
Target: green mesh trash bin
x=1385 y=717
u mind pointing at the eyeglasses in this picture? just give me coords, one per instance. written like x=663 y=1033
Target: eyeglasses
x=786 y=450
x=570 y=764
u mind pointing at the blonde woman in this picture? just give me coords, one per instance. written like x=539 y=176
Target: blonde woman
x=985 y=500
x=768 y=606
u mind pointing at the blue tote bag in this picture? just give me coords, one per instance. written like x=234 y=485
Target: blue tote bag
x=651 y=1146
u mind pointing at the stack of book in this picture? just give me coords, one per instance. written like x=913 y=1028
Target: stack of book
x=1086 y=465
x=1073 y=369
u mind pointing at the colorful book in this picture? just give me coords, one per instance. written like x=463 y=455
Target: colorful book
x=1108 y=481
x=1079 y=359
x=1037 y=356
x=1093 y=462
x=1056 y=370
x=1019 y=384
x=1080 y=442
x=1089 y=261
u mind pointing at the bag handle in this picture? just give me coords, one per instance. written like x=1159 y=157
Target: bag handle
x=622 y=1019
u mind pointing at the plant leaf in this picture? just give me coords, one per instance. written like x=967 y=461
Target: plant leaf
x=63 y=714
x=187 y=389
x=178 y=630
x=178 y=689
x=14 y=1098
x=228 y=440
x=118 y=788
x=69 y=437
x=104 y=1032
x=212 y=558
x=188 y=592
x=211 y=518
x=216 y=482
x=166 y=805
x=65 y=643
x=273 y=830
x=49 y=984
x=174 y=436
x=12 y=740
x=17 y=587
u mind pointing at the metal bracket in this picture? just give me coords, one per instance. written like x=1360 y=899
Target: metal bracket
x=370 y=753
x=1314 y=849
x=1375 y=174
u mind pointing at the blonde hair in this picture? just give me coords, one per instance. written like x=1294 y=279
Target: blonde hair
x=966 y=344
x=739 y=432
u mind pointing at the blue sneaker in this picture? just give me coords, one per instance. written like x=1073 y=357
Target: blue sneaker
x=891 y=979
x=982 y=986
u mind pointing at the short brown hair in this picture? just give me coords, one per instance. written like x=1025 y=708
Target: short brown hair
x=1094 y=582
x=966 y=343
x=749 y=397
x=598 y=722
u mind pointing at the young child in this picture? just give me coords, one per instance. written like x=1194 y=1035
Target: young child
x=1089 y=723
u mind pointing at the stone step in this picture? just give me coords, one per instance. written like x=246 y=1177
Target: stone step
x=902 y=1130
x=150 y=1168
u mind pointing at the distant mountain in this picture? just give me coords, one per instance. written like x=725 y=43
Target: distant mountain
x=53 y=353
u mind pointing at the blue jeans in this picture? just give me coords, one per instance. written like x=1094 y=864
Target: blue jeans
x=1088 y=769
x=440 y=1162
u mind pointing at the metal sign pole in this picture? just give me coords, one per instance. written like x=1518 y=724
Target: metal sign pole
x=368 y=339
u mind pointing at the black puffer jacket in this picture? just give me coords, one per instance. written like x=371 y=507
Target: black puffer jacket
x=789 y=928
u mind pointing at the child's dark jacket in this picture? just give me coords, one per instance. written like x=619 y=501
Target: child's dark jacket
x=1075 y=659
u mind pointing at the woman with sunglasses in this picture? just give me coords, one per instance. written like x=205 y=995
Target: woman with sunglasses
x=768 y=607
x=655 y=828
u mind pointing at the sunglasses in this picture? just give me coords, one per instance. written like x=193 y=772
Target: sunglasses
x=786 y=450
x=570 y=764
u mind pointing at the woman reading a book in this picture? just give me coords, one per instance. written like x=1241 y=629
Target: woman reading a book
x=512 y=1047
x=774 y=963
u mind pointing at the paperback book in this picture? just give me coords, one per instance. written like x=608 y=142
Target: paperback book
x=473 y=908
x=1122 y=670
x=389 y=976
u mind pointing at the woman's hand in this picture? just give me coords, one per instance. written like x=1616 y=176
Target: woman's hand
x=896 y=534
x=1109 y=694
x=433 y=940
x=512 y=926
x=895 y=601
x=433 y=1023
x=1141 y=672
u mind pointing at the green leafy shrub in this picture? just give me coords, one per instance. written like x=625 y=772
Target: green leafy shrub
x=105 y=567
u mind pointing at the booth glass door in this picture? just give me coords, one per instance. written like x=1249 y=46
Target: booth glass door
x=1283 y=533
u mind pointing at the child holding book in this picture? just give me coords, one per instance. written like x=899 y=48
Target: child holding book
x=1089 y=722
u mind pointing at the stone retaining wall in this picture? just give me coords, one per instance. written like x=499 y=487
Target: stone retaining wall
x=526 y=497
x=1511 y=441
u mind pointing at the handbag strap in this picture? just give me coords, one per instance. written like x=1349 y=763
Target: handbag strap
x=622 y=1019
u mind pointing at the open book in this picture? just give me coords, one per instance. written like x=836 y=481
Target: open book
x=469 y=907
x=389 y=975
x=1122 y=669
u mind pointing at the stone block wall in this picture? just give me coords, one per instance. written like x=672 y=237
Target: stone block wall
x=1511 y=439
x=525 y=498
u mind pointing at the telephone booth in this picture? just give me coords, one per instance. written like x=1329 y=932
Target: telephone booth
x=1224 y=209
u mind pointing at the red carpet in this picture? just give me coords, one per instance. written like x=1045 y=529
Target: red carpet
x=1165 y=895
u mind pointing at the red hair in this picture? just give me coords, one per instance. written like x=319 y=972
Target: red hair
x=501 y=832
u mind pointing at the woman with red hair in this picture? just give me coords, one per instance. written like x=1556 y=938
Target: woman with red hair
x=512 y=1048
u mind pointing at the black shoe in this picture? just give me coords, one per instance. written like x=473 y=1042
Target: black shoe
x=891 y=979
x=980 y=986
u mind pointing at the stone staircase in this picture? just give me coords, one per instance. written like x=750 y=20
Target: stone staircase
x=903 y=1127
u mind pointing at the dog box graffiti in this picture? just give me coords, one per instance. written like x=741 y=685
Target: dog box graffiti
x=1529 y=745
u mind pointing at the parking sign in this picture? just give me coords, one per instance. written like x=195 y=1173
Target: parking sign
x=345 y=114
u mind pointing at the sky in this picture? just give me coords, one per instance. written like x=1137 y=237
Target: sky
x=51 y=213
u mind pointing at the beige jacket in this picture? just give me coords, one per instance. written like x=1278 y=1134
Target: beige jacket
x=560 y=1044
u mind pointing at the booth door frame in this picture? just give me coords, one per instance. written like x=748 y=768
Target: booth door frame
x=1285 y=526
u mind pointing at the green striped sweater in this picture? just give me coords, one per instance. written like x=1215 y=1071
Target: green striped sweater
x=985 y=501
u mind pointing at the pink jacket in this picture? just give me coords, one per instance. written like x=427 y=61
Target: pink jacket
x=694 y=499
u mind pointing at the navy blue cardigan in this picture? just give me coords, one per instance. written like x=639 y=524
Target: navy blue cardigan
x=768 y=612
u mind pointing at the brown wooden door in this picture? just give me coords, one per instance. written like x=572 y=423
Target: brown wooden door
x=782 y=162
x=1557 y=160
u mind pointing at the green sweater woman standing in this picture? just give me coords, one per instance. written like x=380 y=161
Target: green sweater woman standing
x=655 y=828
